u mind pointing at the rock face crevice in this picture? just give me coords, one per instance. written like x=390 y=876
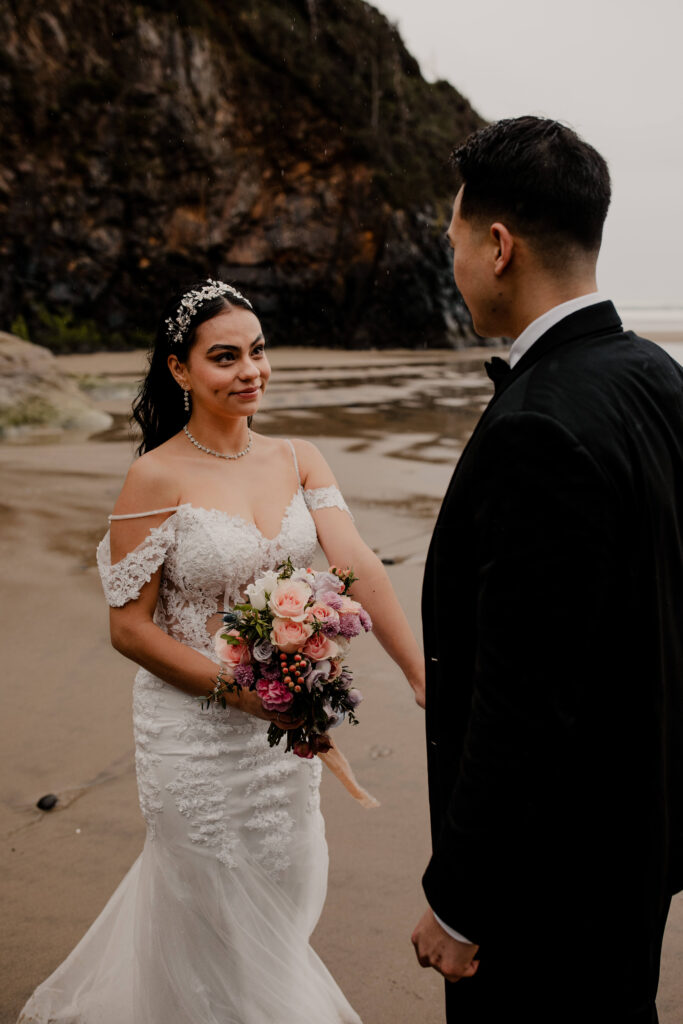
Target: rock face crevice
x=290 y=147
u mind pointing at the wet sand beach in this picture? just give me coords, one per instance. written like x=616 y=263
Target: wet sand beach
x=392 y=425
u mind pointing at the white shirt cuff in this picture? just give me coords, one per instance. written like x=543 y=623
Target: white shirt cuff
x=451 y=931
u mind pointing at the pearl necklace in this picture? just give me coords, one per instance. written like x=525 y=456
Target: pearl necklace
x=220 y=455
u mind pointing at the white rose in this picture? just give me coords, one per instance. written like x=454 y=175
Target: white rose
x=343 y=644
x=256 y=591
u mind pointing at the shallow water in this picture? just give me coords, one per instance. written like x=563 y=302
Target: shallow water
x=431 y=400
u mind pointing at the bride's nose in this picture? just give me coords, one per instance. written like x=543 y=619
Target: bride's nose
x=249 y=370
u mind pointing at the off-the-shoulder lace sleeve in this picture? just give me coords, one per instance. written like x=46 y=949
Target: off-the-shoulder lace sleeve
x=326 y=497
x=123 y=581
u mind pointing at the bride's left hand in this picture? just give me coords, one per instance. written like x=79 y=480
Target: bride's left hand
x=284 y=721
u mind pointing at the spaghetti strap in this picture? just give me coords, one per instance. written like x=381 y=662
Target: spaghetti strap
x=152 y=512
x=296 y=463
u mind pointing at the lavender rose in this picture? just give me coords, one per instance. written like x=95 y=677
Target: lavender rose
x=324 y=582
x=262 y=651
x=334 y=718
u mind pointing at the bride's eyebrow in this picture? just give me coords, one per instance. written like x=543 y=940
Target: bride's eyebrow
x=234 y=348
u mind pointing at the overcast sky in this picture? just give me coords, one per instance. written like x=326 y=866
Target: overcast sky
x=610 y=68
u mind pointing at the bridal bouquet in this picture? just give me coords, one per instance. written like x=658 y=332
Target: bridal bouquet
x=288 y=642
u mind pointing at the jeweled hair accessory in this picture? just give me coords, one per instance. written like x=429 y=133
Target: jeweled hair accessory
x=190 y=303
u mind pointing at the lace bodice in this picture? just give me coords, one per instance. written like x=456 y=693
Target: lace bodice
x=208 y=557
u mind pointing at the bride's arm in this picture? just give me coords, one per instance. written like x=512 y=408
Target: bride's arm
x=343 y=546
x=133 y=630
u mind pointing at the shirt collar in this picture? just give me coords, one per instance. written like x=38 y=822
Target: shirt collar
x=533 y=331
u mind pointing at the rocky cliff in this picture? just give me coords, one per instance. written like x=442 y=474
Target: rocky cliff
x=35 y=393
x=290 y=147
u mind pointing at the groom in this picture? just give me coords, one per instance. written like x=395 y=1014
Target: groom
x=553 y=617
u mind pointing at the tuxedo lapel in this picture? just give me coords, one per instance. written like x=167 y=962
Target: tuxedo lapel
x=601 y=318
x=598 y=319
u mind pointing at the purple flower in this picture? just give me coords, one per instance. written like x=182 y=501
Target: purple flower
x=365 y=620
x=324 y=582
x=331 y=629
x=317 y=674
x=346 y=677
x=269 y=672
x=349 y=625
x=244 y=675
x=262 y=650
x=354 y=697
x=334 y=718
x=331 y=599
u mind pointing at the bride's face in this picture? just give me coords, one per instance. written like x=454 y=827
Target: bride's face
x=227 y=369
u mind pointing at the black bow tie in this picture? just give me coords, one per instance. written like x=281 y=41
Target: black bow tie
x=497 y=370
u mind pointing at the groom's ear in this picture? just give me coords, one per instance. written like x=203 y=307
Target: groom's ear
x=503 y=247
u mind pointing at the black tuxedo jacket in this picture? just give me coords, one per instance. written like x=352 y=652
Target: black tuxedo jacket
x=553 y=631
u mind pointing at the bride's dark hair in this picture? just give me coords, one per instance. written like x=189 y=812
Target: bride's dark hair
x=158 y=408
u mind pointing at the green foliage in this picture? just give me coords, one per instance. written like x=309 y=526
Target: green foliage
x=20 y=328
x=34 y=412
x=62 y=330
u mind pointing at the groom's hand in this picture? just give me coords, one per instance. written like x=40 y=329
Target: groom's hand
x=436 y=948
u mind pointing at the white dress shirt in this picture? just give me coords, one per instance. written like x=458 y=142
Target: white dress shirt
x=531 y=333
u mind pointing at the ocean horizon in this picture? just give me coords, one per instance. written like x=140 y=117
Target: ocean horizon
x=643 y=317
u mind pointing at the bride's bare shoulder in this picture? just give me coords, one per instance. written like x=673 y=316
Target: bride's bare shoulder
x=313 y=468
x=150 y=483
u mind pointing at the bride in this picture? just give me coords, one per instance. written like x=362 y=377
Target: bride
x=212 y=923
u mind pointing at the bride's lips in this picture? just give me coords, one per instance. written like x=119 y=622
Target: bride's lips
x=248 y=393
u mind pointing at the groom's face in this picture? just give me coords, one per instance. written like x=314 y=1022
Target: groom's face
x=473 y=268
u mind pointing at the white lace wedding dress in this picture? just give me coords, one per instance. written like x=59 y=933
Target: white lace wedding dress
x=211 y=925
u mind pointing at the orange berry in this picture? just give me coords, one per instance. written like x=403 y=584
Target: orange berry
x=297 y=689
x=288 y=680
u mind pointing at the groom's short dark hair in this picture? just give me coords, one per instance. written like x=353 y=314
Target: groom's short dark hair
x=539 y=178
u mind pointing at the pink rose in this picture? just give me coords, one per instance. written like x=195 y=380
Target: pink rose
x=336 y=669
x=325 y=615
x=349 y=607
x=288 y=600
x=289 y=634
x=275 y=696
x=320 y=647
x=231 y=654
